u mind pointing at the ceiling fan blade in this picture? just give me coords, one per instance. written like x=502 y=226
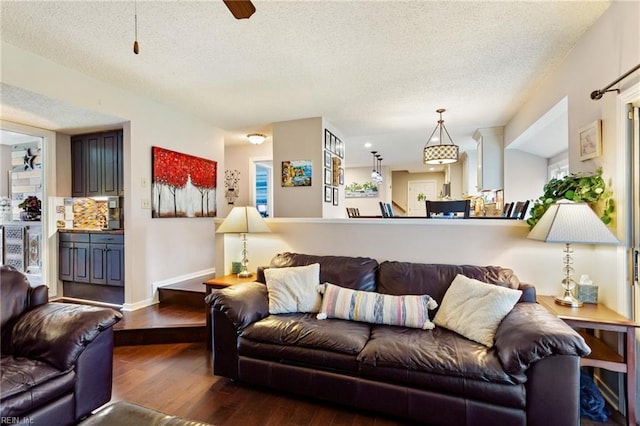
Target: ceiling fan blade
x=240 y=9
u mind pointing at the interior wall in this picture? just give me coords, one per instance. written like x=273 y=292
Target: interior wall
x=471 y=241
x=63 y=165
x=527 y=175
x=155 y=249
x=607 y=50
x=298 y=140
x=5 y=164
x=401 y=180
x=368 y=206
x=240 y=157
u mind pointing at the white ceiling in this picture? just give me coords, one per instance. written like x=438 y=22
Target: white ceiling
x=377 y=70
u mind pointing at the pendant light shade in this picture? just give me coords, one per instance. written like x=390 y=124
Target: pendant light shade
x=441 y=153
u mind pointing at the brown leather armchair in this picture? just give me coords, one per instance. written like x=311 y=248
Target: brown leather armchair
x=57 y=358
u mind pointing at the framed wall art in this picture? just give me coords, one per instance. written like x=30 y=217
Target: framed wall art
x=327 y=194
x=328 y=177
x=182 y=185
x=296 y=173
x=590 y=140
x=335 y=196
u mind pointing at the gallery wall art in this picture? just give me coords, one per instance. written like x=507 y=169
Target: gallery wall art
x=182 y=185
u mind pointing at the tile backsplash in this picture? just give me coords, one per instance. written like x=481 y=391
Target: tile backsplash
x=83 y=213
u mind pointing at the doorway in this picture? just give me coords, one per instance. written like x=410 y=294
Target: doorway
x=27 y=171
x=417 y=192
x=262 y=186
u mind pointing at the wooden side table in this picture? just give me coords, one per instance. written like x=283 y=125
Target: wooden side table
x=221 y=282
x=598 y=317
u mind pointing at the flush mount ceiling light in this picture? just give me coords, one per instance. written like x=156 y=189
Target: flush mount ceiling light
x=256 y=138
x=441 y=153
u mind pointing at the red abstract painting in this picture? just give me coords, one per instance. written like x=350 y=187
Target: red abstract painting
x=183 y=185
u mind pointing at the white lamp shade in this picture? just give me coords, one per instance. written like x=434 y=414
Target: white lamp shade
x=440 y=154
x=243 y=220
x=569 y=222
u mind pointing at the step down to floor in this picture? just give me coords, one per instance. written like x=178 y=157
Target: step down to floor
x=187 y=293
x=161 y=323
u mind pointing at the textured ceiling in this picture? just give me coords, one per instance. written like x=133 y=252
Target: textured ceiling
x=377 y=70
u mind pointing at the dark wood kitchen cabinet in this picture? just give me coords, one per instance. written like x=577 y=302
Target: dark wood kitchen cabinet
x=107 y=259
x=91 y=266
x=73 y=257
x=96 y=164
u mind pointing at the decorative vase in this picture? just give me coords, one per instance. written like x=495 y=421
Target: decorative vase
x=29 y=215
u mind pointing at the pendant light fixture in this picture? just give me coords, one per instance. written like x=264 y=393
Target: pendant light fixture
x=376 y=176
x=379 y=168
x=440 y=153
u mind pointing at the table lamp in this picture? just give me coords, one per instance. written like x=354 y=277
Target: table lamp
x=568 y=222
x=243 y=220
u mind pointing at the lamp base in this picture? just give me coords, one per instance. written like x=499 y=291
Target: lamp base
x=244 y=274
x=568 y=300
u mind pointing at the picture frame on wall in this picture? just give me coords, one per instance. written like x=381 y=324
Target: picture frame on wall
x=333 y=144
x=335 y=196
x=341 y=176
x=339 y=148
x=328 y=176
x=327 y=159
x=590 y=140
x=327 y=139
x=327 y=194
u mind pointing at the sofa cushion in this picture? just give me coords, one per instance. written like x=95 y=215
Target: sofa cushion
x=27 y=384
x=293 y=289
x=434 y=279
x=437 y=351
x=305 y=330
x=376 y=308
x=475 y=309
x=358 y=273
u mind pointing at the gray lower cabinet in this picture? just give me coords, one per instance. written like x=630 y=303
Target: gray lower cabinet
x=91 y=265
x=107 y=259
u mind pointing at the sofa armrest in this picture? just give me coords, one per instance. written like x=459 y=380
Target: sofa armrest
x=243 y=303
x=530 y=333
x=59 y=332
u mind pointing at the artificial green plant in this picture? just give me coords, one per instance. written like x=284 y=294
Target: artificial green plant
x=587 y=188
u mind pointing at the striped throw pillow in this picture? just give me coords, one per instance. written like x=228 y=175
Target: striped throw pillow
x=376 y=308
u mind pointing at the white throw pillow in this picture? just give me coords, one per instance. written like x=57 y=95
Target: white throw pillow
x=293 y=289
x=475 y=309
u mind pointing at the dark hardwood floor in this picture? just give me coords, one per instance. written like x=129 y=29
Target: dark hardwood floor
x=177 y=379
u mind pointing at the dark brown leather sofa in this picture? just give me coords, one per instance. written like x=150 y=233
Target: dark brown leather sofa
x=57 y=358
x=436 y=377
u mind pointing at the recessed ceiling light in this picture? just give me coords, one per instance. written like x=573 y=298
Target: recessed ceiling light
x=367 y=145
x=431 y=169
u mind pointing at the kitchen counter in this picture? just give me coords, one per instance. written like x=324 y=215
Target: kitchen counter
x=91 y=231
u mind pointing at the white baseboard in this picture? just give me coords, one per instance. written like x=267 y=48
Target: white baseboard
x=138 y=305
x=175 y=280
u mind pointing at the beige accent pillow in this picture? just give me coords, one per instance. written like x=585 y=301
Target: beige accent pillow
x=293 y=289
x=475 y=309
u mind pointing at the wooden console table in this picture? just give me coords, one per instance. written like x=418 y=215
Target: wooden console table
x=591 y=317
x=221 y=282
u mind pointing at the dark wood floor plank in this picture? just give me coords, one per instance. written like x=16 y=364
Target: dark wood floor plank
x=177 y=379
